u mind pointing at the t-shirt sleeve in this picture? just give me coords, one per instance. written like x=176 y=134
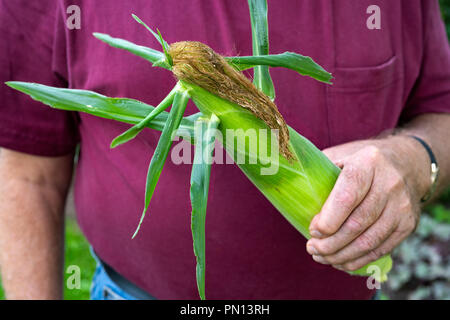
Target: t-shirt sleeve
x=431 y=93
x=27 y=52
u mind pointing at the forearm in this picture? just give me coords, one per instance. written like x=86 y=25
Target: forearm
x=407 y=154
x=434 y=129
x=31 y=229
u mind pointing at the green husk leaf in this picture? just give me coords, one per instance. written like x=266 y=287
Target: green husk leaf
x=201 y=170
x=260 y=44
x=134 y=131
x=165 y=47
x=378 y=269
x=157 y=58
x=119 y=109
x=162 y=149
x=158 y=37
x=148 y=28
x=290 y=60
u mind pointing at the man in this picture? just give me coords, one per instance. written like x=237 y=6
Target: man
x=391 y=82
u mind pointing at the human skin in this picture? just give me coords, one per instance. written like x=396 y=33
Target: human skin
x=380 y=186
x=33 y=190
x=375 y=203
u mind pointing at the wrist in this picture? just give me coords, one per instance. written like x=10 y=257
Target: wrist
x=412 y=160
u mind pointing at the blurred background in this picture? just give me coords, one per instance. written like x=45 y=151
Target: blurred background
x=421 y=263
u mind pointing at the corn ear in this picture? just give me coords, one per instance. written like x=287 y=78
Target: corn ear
x=299 y=188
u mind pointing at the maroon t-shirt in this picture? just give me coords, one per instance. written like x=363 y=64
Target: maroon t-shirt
x=382 y=77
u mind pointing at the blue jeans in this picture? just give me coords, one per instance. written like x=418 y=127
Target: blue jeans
x=105 y=288
x=377 y=295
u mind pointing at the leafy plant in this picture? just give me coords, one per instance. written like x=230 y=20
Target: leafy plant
x=422 y=264
x=445 y=9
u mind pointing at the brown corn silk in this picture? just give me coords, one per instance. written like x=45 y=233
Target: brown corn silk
x=198 y=64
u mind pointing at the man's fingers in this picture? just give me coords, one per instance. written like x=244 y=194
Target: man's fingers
x=366 y=243
x=360 y=219
x=350 y=189
x=386 y=247
x=399 y=222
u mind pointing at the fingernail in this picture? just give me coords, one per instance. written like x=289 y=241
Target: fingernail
x=311 y=250
x=318 y=258
x=316 y=234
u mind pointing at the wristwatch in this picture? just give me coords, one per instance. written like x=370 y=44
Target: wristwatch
x=434 y=169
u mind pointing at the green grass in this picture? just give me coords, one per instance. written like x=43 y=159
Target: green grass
x=440 y=210
x=445 y=9
x=76 y=254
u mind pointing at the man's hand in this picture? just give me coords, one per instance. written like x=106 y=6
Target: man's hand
x=374 y=204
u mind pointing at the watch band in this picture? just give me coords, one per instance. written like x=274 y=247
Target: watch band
x=434 y=169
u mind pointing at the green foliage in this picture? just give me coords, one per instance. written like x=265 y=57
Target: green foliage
x=162 y=149
x=302 y=64
x=260 y=45
x=422 y=264
x=77 y=253
x=445 y=196
x=120 y=109
x=157 y=58
x=440 y=213
x=136 y=129
x=445 y=9
x=200 y=176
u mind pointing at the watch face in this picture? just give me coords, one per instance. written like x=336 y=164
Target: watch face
x=433 y=178
x=434 y=173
